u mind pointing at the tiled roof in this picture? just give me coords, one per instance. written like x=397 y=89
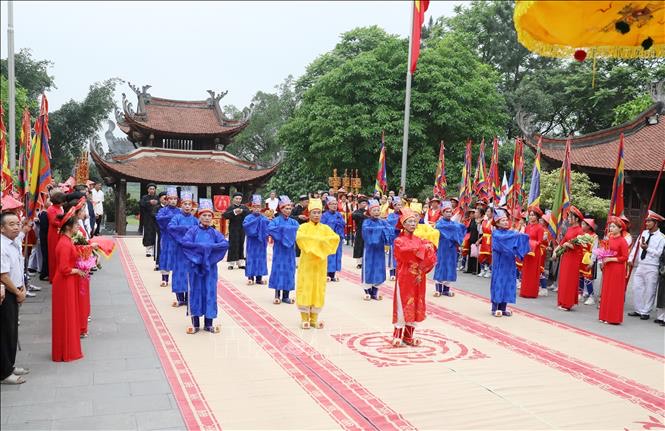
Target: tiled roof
x=182 y=167
x=185 y=118
x=644 y=146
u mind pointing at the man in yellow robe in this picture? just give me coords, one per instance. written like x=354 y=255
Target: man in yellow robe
x=316 y=242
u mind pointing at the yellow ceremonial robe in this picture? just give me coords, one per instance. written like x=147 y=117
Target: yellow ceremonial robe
x=316 y=242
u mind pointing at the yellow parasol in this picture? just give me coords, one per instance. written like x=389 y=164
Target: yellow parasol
x=617 y=29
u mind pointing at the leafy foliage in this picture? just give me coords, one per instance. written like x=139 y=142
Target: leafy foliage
x=75 y=123
x=629 y=110
x=31 y=74
x=582 y=193
x=354 y=92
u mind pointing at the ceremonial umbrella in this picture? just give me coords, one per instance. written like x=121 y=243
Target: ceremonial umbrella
x=611 y=29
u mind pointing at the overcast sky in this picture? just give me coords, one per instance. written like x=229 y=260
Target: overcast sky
x=183 y=49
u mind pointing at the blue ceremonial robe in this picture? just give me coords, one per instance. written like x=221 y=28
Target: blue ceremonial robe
x=392 y=220
x=451 y=235
x=255 y=226
x=177 y=228
x=377 y=234
x=203 y=248
x=506 y=246
x=337 y=224
x=283 y=232
x=167 y=244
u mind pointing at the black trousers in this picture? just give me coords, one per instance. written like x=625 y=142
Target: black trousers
x=8 y=334
x=43 y=245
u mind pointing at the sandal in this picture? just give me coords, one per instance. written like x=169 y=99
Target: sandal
x=21 y=371
x=276 y=301
x=304 y=324
x=163 y=284
x=250 y=282
x=13 y=379
x=213 y=329
x=193 y=329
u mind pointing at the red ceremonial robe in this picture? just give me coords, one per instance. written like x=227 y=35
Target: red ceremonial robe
x=66 y=327
x=569 y=270
x=415 y=258
x=614 y=284
x=485 y=255
x=531 y=268
x=52 y=237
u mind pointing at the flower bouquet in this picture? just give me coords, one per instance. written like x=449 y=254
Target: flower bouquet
x=603 y=252
x=578 y=240
x=86 y=259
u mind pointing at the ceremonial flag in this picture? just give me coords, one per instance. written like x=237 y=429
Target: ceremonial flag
x=534 y=191
x=6 y=181
x=25 y=143
x=480 y=177
x=504 y=190
x=381 y=183
x=440 y=181
x=466 y=186
x=561 y=201
x=419 y=8
x=516 y=178
x=616 y=202
x=494 y=186
x=39 y=167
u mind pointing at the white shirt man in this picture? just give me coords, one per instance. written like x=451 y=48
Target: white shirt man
x=272 y=201
x=645 y=277
x=98 y=201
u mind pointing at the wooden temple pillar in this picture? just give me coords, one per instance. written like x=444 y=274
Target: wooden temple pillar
x=120 y=206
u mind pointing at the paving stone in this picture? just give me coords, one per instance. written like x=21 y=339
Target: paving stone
x=102 y=377
x=133 y=404
x=150 y=388
x=50 y=411
x=97 y=422
x=100 y=392
x=29 y=426
x=35 y=394
x=159 y=420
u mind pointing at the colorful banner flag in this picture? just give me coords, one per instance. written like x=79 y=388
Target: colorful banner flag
x=466 y=186
x=480 y=176
x=494 y=185
x=440 y=181
x=381 y=183
x=39 y=166
x=534 y=190
x=561 y=201
x=616 y=202
x=516 y=179
x=25 y=144
x=6 y=183
x=503 y=194
x=419 y=8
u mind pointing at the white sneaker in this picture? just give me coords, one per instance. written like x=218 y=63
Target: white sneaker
x=35 y=288
x=519 y=285
x=487 y=274
x=580 y=298
x=589 y=301
x=480 y=274
x=30 y=294
x=543 y=292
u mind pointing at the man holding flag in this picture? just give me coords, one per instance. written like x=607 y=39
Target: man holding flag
x=381 y=183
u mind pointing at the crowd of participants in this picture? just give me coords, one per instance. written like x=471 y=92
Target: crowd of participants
x=53 y=242
x=389 y=233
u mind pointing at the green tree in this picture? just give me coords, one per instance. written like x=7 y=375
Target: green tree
x=629 y=110
x=582 y=193
x=31 y=75
x=22 y=101
x=258 y=142
x=75 y=123
x=343 y=111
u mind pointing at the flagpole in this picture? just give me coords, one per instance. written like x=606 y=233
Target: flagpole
x=407 y=111
x=12 y=85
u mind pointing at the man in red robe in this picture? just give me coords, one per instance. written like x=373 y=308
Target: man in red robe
x=415 y=258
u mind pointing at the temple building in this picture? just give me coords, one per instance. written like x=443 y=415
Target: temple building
x=596 y=155
x=175 y=142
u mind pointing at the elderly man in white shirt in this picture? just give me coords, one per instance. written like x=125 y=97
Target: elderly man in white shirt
x=272 y=201
x=11 y=275
x=645 y=277
x=98 y=206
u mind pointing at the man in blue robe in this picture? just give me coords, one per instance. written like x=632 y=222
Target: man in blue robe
x=283 y=231
x=392 y=220
x=451 y=235
x=335 y=220
x=255 y=226
x=377 y=234
x=203 y=246
x=506 y=246
x=177 y=227
x=167 y=244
